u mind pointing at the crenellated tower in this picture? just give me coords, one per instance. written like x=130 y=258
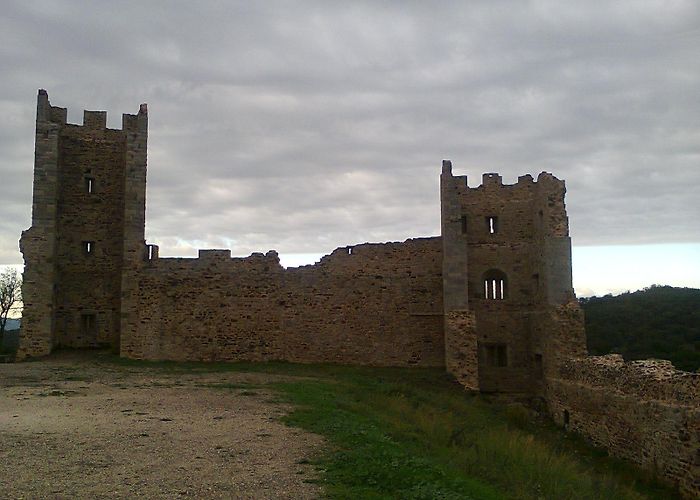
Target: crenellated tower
x=510 y=310
x=87 y=230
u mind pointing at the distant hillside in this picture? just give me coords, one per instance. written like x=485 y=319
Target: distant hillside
x=657 y=322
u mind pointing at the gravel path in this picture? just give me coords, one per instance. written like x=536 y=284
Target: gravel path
x=72 y=427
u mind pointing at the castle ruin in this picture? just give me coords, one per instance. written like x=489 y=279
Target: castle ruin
x=490 y=299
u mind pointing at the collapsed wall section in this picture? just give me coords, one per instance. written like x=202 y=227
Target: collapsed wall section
x=646 y=412
x=376 y=304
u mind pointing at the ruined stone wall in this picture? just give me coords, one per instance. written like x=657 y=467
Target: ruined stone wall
x=377 y=304
x=646 y=412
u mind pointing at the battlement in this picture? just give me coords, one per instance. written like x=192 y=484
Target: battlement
x=491 y=180
x=92 y=120
x=210 y=255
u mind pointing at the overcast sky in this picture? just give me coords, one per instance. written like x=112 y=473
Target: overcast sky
x=303 y=126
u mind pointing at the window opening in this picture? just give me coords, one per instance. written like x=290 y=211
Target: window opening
x=349 y=250
x=492 y=224
x=89 y=185
x=496 y=355
x=495 y=285
x=538 y=363
x=566 y=419
x=89 y=247
x=88 y=324
x=464 y=224
x=150 y=252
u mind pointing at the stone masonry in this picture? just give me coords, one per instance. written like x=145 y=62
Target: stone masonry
x=491 y=299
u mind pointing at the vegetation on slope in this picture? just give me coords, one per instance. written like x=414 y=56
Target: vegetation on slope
x=657 y=322
x=415 y=433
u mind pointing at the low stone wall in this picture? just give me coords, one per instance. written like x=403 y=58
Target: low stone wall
x=644 y=411
x=376 y=304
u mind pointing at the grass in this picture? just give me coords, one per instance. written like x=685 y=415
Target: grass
x=415 y=434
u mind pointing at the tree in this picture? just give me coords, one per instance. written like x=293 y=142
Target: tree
x=10 y=295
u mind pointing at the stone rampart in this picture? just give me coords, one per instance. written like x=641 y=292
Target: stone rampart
x=376 y=304
x=643 y=411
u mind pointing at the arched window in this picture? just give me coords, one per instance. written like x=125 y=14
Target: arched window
x=495 y=284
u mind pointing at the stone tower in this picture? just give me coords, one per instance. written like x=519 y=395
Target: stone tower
x=87 y=231
x=509 y=307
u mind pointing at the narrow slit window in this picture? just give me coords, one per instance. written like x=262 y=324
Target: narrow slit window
x=492 y=224
x=538 y=363
x=349 y=250
x=464 y=224
x=88 y=247
x=89 y=185
x=495 y=285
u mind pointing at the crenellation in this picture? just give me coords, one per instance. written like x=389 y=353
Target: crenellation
x=58 y=115
x=137 y=122
x=95 y=119
x=491 y=179
x=491 y=299
x=214 y=254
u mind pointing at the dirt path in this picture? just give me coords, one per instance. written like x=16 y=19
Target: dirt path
x=72 y=427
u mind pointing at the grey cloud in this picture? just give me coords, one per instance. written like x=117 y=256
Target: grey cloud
x=308 y=125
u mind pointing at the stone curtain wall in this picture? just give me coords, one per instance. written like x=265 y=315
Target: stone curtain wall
x=376 y=304
x=646 y=412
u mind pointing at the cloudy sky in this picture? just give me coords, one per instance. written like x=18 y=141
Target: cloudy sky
x=304 y=126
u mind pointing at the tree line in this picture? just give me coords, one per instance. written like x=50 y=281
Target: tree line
x=657 y=322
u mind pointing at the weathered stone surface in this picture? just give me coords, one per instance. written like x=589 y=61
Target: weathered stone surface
x=82 y=224
x=379 y=305
x=515 y=237
x=644 y=411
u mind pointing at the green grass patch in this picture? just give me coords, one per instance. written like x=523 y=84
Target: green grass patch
x=416 y=434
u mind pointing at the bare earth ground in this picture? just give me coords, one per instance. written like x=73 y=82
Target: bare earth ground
x=73 y=427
